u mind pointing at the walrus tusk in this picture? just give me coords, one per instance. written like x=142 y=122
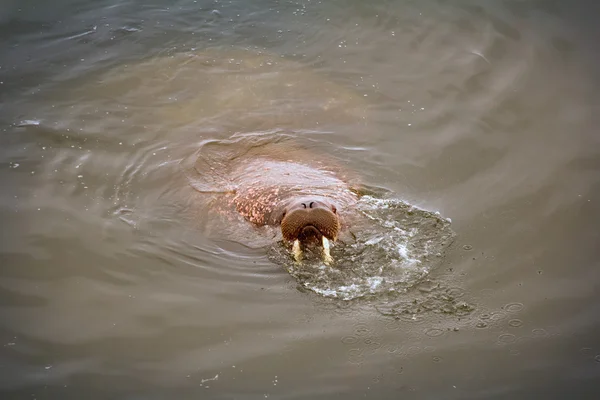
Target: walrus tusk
x=327 y=259
x=297 y=251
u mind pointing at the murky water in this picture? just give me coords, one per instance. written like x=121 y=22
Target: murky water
x=114 y=283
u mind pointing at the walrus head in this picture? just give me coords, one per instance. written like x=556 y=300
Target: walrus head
x=310 y=220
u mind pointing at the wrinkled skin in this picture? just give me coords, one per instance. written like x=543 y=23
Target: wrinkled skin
x=310 y=218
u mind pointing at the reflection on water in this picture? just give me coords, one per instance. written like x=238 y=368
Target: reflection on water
x=112 y=285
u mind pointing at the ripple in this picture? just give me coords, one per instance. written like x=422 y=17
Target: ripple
x=434 y=332
x=455 y=292
x=497 y=315
x=349 y=340
x=355 y=352
x=392 y=325
x=513 y=307
x=355 y=356
x=539 y=332
x=412 y=318
x=361 y=330
x=435 y=299
x=515 y=323
x=586 y=351
x=391 y=347
x=429 y=349
x=372 y=343
x=507 y=338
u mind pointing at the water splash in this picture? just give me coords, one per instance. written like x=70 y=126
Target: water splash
x=395 y=245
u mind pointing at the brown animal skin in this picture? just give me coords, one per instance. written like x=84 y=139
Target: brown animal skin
x=309 y=219
x=307 y=222
x=307 y=203
x=274 y=182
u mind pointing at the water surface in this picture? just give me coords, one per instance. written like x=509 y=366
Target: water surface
x=112 y=287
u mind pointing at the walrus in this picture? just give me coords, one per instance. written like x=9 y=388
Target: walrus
x=219 y=91
x=304 y=221
x=272 y=181
x=310 y=219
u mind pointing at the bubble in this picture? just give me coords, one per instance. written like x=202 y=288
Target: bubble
x=436 y=359
x=597 y=358
x=485 y=316
x=507 y=338
x=515 y=323
x=467 y=247
x=481 y=325
x=513 y=307
x=434 y=332
x=349 y=340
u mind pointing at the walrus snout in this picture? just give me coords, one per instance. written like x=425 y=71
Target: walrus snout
x=309 y=220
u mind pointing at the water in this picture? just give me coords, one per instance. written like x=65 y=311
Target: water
x=394 y=248
x=114 y=285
